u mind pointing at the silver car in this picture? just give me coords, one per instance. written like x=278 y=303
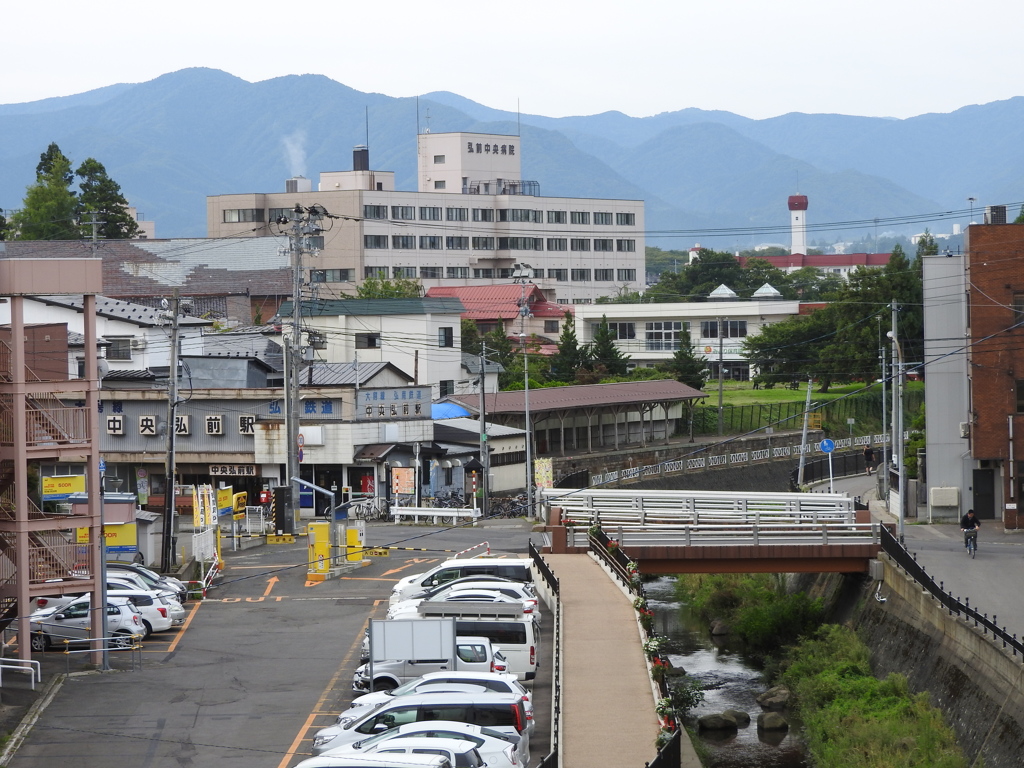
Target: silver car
x=72 y=623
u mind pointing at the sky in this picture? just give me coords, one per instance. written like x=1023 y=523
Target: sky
x=881 y=58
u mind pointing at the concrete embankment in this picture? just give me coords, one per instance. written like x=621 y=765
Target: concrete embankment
x=977 y=684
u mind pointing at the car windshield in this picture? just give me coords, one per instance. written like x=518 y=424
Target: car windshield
x=429 y=733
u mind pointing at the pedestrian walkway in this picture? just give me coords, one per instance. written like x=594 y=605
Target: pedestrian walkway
x=607 y=701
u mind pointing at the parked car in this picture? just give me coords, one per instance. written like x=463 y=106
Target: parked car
x=152 y=578
x=514 y=569
x=472 y=653
x=500 y=750
x=482 y=581
x=376 y=761
x=504 y=712
x=440 y=682
x=143 y=597
x=460 y=752
x=73 y=622
x=529 y=604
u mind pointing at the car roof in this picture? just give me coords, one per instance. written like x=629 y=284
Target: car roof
x=458 y=674
x=360 y=760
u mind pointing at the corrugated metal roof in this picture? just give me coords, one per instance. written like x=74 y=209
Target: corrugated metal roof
x=329 y=374
x=424 y=306
x=139 y=314
x=486 y=302
x=582 y=396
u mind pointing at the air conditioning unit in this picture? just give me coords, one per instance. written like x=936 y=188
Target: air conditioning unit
x=965 y=429
x=138 y=343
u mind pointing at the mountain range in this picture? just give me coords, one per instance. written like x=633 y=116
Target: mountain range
x=173 y=140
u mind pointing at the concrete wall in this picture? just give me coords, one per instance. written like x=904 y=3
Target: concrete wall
x=979 y=686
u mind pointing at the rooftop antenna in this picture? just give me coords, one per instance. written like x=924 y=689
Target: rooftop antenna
x=427 y=119
x=417 y=115
x=367 y=121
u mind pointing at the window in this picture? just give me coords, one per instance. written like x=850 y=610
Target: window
x=601 y=217
x=458 y=272
x=483 y=328
x=404 y=273
x=483 y=273
x=233 y=215
x=278 y=213
x=731 y=329
x=430 y=213
x=483 y=214
x=330 y=276
x=559 y=274
x=403 y=242
x=561 y=301
x=618 y=330
x=375 y=211
x=430 y=273
x=520 y=244
x=440 y=184
x=375 y=241
x=119 y=349
x=625 y=219
x=625 y=246
x=483 y=243
x=581 y=301
x=604 y=274
x=403 y=212
x=1020 y=395
x=558 y=244
x=505 y=273
x=581 y=275
x=446 y=387
x=368 y=341
x=438 y=159
x=579 y=217
x=602 y=244
x=627 y=275
x=550 y=326
x=1018 y=308
x=446 y=336
x=456 y=243
x=664 y=334
x=539 y=274
x=456 y=214
x=430 y=242
x=381 y=273
x=579 y=244
x=557 y=217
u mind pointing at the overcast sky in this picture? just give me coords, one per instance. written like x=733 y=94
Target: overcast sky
x=757 y=58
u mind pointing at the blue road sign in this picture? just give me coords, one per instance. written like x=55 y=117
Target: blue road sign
x=103 y=466
x=827 y=446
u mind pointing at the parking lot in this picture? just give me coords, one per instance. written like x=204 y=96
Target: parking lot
x=259 y=666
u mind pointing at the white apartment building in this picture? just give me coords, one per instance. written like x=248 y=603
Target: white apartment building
x=471 y=219
x=650 y=333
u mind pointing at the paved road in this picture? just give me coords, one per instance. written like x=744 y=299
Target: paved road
x=260 y=665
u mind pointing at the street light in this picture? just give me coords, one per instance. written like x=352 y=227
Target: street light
x=521 y=273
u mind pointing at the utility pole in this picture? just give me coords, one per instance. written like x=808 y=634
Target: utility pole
x=885 y=419
x=897 y=405
x=485 y=453
x=521 y=274
x=803 y=439
x=721 y=376
x=167 y=559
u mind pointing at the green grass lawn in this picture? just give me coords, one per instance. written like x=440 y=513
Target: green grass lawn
x=743 y=392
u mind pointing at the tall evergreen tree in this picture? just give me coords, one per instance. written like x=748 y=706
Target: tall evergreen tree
x=101 y=197
x=687 y=366
x=3 y=225
x=570 y=356
x=51 y=157
x=50 y=208
x=604 y=352
x=470 y=337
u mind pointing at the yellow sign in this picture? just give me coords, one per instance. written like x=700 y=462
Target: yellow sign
x=57 y=488
x=225 y=501
x=121 y=537
x=377 y=552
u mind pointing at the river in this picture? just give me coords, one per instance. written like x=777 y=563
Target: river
x=730 y=683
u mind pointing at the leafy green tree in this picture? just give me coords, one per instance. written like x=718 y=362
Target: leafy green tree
x=470 y=337
x=50 y=208
x=101 y=198
x=687 y=366
x=811 y=285
x=759 y=271
x=604 y=352
x=51 y=157
x=708 y=270
x=3 y=225
x=1020 y=216
x=570 y=356
x=791 y=349
x=500 y=350
x=382 y=288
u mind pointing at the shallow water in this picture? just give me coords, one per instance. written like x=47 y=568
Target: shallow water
x=730 y=682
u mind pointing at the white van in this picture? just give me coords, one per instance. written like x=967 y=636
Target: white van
x=513 y=569
x=504 y=624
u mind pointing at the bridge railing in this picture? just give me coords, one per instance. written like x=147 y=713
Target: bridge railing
x=728 y=535
x=908 y=562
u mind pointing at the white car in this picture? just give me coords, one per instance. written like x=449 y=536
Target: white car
x=460 y=752
x=406 y=607
x=160 y=611
x=376 y=761
x=73 y=622
x=446 y=680
x=500 y=750
x=480 y=592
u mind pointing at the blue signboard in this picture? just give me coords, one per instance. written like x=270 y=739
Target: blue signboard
x=827 y=446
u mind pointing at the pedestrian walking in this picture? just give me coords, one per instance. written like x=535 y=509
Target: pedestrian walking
x=869 y=459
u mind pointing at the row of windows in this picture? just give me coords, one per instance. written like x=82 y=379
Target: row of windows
x=464 y=273
x=434 y=213
x=462 y=243
x=672 y=330
x=445 y=338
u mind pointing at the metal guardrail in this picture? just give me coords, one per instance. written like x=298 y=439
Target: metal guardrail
x=908 y=562
x=34 y=668
x=439 y=515
x=728 y=535
x=551 y=760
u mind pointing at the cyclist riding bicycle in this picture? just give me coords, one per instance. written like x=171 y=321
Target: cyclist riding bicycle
x=970 y=524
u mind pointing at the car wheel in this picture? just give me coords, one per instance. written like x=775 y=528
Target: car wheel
x=121 y=640
x=148 y=629
x=40 y=642
x=383 y=685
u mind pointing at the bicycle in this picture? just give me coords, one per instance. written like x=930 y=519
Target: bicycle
x=971 y=540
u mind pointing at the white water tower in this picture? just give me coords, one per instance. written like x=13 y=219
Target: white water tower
x=798 y=223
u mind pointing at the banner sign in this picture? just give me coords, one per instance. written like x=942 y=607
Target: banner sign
x=59 y=488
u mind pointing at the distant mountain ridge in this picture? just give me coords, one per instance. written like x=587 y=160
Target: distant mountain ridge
x=175 y=139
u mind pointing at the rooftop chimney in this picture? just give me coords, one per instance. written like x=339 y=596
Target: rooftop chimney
x=298 y=184
x=360 y=158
